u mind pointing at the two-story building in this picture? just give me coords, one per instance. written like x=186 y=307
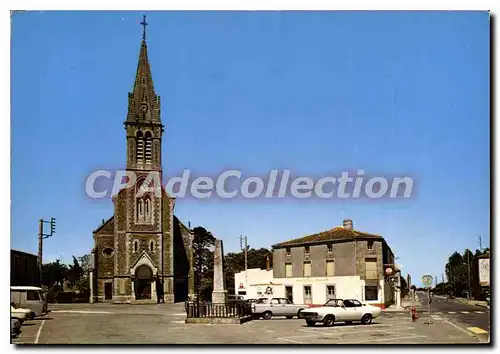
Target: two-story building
x=337 y=263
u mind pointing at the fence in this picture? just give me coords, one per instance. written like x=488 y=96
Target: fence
x=211 y=310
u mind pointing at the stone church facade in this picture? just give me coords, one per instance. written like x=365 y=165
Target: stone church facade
x=143 y=252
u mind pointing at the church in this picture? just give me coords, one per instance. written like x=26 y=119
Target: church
x=142 y=254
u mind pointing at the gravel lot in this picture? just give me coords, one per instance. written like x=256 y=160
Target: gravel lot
x=164 y=324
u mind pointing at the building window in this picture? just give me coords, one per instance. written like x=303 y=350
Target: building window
x=307 y=294
x=330 y=248
x=288 y=251
x=370 y=245
x=288 y=270
x=151 y=246
x=371 y=271
x=306 y=250
x=307 y=269
x=371 y=293
x=107 y=252
x=140 y=147
x=136 y=245
x=330 y=268
x=330 y=292
x=148 y=147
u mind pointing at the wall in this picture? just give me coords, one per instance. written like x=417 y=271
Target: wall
x=24 y=269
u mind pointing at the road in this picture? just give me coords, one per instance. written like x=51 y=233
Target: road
x=469 y=316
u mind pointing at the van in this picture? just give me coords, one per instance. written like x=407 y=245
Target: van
x=29 y=297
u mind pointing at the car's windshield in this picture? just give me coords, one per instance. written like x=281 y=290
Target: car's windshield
x=333 y=303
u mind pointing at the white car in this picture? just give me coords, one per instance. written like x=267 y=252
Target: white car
x=20 y=314
x=337 y=310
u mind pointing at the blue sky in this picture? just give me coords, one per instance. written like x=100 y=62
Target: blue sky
x=392 y=93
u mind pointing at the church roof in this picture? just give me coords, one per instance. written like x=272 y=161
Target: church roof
x=337 y=234
x=108 y=225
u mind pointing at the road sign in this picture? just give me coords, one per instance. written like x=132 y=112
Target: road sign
x=427 y=280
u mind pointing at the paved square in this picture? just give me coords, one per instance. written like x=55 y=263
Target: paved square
x=164 y=324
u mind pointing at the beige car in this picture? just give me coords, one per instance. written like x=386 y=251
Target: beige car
x=276 y=306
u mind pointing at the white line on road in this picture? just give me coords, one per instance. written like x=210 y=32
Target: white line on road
x=179 y=314
x=479 y=311
x=84 y=312
x=452 y=312
x=39 y=331
x=459 y=328
x=290 y=340
x=464 y=311
x=178 y=322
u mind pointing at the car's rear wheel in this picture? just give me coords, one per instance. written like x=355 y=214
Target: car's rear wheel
x=310 y=323
x=329 y=320
x=267 y=315
x=366 y=319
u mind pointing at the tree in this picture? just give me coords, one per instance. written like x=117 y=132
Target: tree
x=53 y=273
x=203 y=261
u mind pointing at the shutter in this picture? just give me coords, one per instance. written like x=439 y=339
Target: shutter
x=307 y=269
x=330 y=268
x=288 y=270
x=371 y=269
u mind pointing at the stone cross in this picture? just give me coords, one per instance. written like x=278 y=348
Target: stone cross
x=219 y=294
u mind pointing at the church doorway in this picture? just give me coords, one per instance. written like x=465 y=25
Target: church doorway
x=108 y=291
x=142 y=283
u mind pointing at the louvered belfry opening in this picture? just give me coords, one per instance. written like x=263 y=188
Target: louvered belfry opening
x=148 y=147
x=140 y=147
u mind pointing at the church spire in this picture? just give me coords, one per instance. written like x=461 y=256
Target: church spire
x=144 y=104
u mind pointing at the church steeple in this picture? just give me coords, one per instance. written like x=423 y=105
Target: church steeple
x=143 y=123
x=144 y=104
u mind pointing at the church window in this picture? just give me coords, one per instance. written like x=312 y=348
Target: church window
x=140 y=147
x=151 y=246
x=136 y=245
x=140 y=209
x=148 y=147
x=107 y=252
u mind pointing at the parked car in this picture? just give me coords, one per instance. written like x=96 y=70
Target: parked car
x=20 y=313
x=15 y=327
x=269 y=307
x=29 y=297
x=338 y=310
x=235 y=298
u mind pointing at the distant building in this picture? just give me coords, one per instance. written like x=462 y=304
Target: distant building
x=23 y=269
x=337 y=263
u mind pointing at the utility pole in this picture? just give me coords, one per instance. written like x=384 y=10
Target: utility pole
x=468 y=274
x=41 y=237
x=244 y=247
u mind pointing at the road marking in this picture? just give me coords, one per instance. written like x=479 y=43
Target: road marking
x=452 y=312
x=290 y=340
x=178 y=322
x=479 y=311
x=477 y=330
x=464 y=311
x=84 y=312
x=459 y=328
x=39 y=331
x=179 y=314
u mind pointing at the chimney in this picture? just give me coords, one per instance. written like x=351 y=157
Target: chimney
x=268 y=263
x=348 y=224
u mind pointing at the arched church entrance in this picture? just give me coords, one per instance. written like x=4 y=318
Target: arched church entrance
x=142 y=282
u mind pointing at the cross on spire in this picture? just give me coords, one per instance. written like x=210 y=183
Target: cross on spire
x=144 y=24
